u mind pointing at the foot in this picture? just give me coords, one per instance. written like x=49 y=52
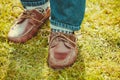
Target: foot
x=27 y=25
x=62 y=50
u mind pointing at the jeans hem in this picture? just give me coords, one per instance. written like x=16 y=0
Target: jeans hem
x=63 y=25
x=33 y=3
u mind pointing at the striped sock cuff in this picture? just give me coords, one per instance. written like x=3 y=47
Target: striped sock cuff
x=62 y=31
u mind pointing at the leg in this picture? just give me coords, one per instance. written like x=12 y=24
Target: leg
x=67 y=13
x=29 y=22
x=66 y=17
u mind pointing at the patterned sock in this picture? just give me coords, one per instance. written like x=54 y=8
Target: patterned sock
x=60 y=29
x=44 y=7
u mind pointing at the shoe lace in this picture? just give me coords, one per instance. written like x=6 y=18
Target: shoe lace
x=28 y=14
x=61 y=36
x=45 y=34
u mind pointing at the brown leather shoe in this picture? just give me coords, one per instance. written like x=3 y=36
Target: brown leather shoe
x=62 y=50
x=27 y=25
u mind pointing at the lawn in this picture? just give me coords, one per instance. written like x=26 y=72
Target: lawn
x=98 y=43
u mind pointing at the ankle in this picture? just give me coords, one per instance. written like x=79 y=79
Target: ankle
x=60 y=29
x=43 y=7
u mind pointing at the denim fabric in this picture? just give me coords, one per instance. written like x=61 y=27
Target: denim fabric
x=33 y=2
x=64 y=13
x=67 y=13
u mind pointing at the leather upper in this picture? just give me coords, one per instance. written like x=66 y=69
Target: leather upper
x=27 y=25
x=62 y=50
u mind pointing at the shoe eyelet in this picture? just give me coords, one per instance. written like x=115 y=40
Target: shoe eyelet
x=33 y=15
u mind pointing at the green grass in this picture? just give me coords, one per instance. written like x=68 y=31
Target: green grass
x=99 y=46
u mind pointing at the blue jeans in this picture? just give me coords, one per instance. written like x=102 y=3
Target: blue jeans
x=64 y=13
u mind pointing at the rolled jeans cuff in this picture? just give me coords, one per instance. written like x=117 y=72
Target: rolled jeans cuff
x=66 y=26
x=33 y=2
